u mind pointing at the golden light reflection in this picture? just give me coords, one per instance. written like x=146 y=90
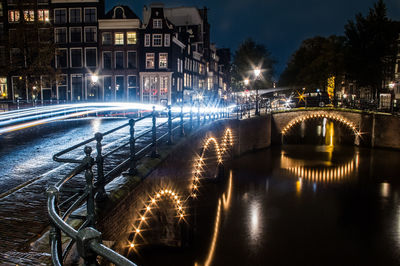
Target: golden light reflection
x=325 y=174
x=385 y=190
x=225 y=201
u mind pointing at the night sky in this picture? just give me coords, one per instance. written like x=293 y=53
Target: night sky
x=281 y=25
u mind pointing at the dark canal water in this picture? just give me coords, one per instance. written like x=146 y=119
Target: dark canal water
x=296 y=205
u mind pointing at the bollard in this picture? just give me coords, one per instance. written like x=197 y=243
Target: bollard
x=132 y=143
x=154 y=153
x=90 y=208
x=101 y=193
x=169 y=125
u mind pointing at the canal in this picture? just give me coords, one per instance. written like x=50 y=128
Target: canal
x=295 y=205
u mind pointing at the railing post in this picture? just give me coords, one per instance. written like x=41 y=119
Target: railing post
x=55 y=232
x=101 y=193
x=241 y=112
x=90 y=208
x=132 y=143
x=169 y=125
x=182 y=126
x=154 y=153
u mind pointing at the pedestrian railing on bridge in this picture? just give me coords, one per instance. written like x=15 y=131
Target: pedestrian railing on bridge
x=65 y=198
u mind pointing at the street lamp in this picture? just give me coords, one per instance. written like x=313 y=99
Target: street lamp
x=257 y=73
x=95 y=79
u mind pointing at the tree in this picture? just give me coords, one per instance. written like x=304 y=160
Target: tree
x=371 y=48
x=249 y=56
x=316 y=60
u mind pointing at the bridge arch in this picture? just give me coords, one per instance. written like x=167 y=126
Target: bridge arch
x=309 y=115
x=220 y=150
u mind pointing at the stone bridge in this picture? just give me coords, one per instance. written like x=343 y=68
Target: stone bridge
x=370 y=129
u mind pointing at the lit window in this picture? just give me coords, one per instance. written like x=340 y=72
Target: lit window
x=164 y=86
x=157 y=40
x=3 y=87
x=119 y=38
x=147 y=40
x=167 y=40
x=163 y=60
x=13 y=15
x=131 y=38
x=150 y=60
x=43 y=15
x=157 y=24
x=29 y=15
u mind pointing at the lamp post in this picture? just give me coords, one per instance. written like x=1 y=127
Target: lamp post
x=257 y=73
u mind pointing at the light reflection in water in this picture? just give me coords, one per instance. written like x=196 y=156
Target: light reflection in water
x=255 y=226
x=325 y=174
x=96 y=125
x=225 y=201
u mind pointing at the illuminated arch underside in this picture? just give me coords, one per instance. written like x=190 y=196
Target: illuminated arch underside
x=337 y=118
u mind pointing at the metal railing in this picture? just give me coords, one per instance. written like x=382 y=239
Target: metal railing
x=65 y=202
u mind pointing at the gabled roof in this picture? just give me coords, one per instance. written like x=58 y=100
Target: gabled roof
x=127 y=13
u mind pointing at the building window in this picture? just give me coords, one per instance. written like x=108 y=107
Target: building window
x=75 y=35
x=106 y=38
x=61 y=35
x=3 y=87
x=167 y=40
x=29 y=15
x=62 y=88
x=62 y=58
x=119 y=38
x=157 y=23
x=90 y=34
x=13 y=15
x=119 y=87
x=91 y=57
x=164 y=87
x=131 y=38
x=1 y=9
x=163 y=60
x=75 y=15
x=90 y=15
x=43 y=15
x=77 y=87
x=76 y=57
x=60 y=16
x=132 y=59
x=108 y=91
x=107 y=60
x=157 y=40
x=132 y=81
x=119 y=60
x=3 y=60
x=149 y=60
x=147 y=40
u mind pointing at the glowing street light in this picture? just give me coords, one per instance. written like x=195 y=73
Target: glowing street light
x=95 y=78
x=246 y=82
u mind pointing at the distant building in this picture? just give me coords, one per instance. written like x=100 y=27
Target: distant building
x=114 y=56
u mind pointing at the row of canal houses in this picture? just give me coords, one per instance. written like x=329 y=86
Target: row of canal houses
x=165 y=57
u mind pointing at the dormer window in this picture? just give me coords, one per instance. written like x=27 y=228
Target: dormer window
x=157 y=23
